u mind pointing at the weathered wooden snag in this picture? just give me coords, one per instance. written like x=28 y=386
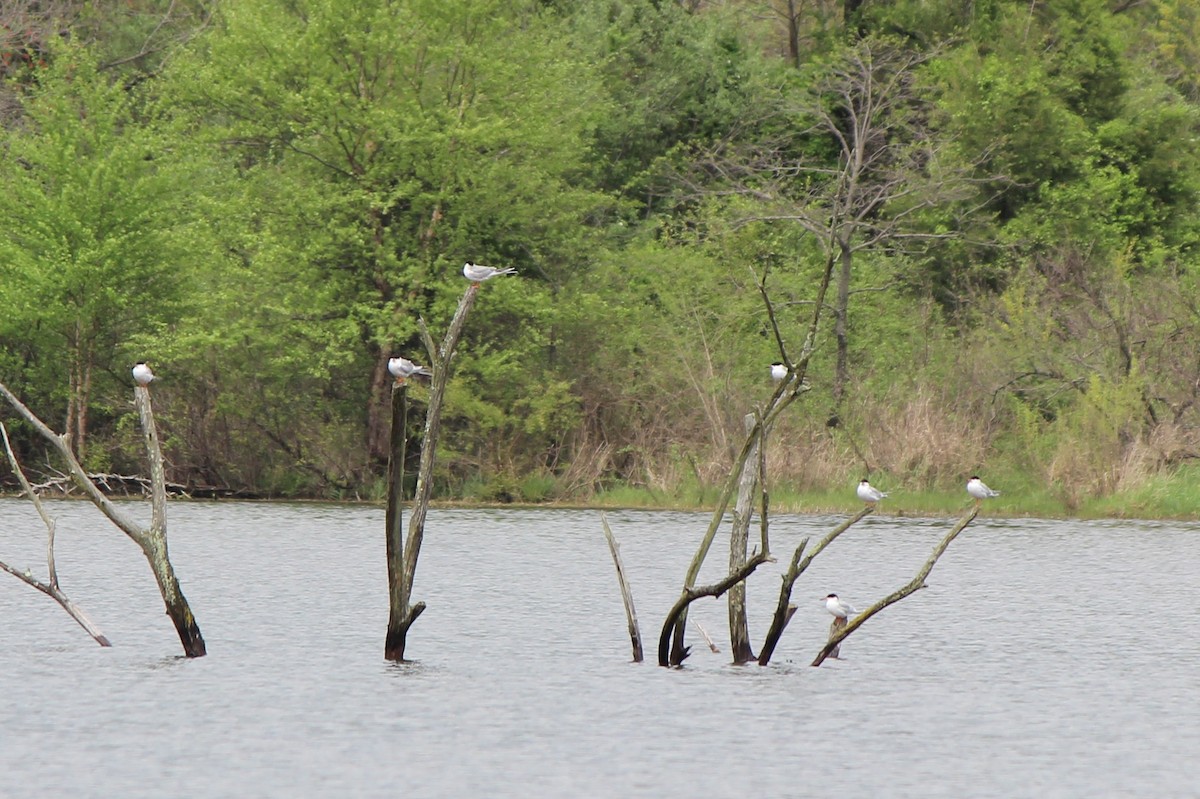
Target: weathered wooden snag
x=784 y=610
x=917 y=583
x=665 y=656
x=393 y=646
x=152 y=541
x=635 y=634
x=739 y=540
x=403 y=552
x=50 y=588
x=787 y=390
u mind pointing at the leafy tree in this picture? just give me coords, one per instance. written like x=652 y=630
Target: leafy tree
x=383 y=145
x=97 y=244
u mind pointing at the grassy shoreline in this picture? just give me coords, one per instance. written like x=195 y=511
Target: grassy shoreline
x=1175 y=497
x=1164 y=499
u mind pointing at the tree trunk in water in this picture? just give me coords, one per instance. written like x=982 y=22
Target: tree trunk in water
x=177 y=606
x=785 y=393
x=635 y=634
x=377 y=429
x=154 y=544
x=403 y=613
x=393 y=646
x=743 y=509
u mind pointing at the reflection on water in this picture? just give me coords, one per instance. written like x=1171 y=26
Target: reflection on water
x=1044 y=659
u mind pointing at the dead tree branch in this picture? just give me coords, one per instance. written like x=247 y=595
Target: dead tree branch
x=152 y=541
x=635 y=634
x=917 y=583
x=397 y=449
x=785 y=393
x=784 y=610
x=691 y=595
x=402 y=565
x=50 y=588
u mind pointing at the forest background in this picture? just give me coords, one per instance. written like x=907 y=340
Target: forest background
x=261 y=197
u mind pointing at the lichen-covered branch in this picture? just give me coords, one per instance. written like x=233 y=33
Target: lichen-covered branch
x=917 y=583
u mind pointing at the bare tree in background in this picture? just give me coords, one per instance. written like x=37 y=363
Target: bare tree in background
x=133 y=32
x=857 y=173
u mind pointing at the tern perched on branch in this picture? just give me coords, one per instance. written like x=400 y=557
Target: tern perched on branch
x=142 y=373
x=403 y=368
x=839 y=609
x=477 y=273
x=868 y=493
x=778 y=371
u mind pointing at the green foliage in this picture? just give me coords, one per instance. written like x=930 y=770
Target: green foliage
x=266 y=210
x=99 y=243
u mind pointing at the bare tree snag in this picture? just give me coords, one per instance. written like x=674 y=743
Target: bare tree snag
x=917 y=583
x=739 y=541
x=50 y=588
x=785 y=393
x=635 y=634
x=784 y=610
x=156 y=538
x=152 y=541
x=401 y=607
x=665 y=657
x=392 y=648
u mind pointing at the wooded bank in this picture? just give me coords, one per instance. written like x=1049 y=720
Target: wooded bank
x=262 y=201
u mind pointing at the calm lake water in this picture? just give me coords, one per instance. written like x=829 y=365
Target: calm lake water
x=1048 y=659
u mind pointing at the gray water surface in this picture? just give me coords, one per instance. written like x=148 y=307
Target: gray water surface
x=1048 y=659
